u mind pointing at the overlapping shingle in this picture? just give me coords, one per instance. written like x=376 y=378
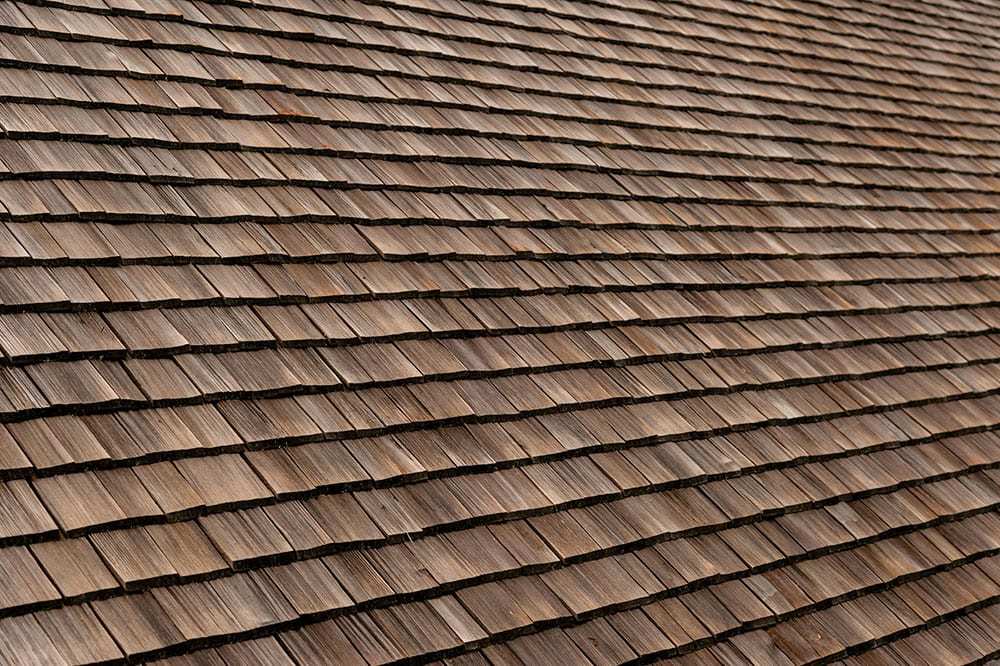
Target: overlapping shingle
x=499 y=332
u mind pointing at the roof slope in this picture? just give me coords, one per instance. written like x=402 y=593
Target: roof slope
x=507 y=331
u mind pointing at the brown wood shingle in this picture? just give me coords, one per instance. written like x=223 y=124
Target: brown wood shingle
x=563 y=331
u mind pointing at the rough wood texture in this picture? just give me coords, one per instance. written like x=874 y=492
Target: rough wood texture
x=499 y=331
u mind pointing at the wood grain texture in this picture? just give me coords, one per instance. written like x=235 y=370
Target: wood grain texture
x=499 y=332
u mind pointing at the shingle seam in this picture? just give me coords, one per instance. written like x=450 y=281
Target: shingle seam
x=860 y=648
x=928 y=46
x=340 y=67
x=769 y=7
x=476 y=292
x=824 y=28
x=487 y=520
x=585 y=450
x=718 y=352
x=529 y=111
x=866 y=8
x=982 y=229
x=718 y=176
x=983 y=206
x=453 y=130
x=528 y=48
x=128 y=405
x=536 y=569
x=343 y=385
x=188 y=645
x=722 y=172
x=828 y=603
x=988 y=658
x=515 y=256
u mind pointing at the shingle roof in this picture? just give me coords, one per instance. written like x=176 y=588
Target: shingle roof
x=499 y=331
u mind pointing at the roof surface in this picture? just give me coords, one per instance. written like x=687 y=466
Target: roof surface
x=501 y=331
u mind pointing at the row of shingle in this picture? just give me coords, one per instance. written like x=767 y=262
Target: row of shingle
x=675 y=630
x=389 y=30
x=247 y=242
x=859 y=28
x=511 y=384
x=689 y=45
x=500 y=609
x=84 y=500
x=256 y=67
x=39 y=104
x=365 y=284
x=28 y=159
x=175 y=330
x=84 y=200
x=446 y=514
